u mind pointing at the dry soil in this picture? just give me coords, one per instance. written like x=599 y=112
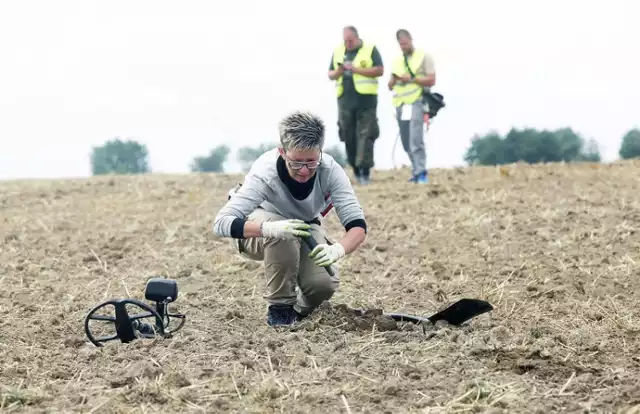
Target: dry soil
x=555 y=248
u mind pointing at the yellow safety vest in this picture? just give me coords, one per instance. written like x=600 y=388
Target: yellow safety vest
x=407 y=93
x=363 y=84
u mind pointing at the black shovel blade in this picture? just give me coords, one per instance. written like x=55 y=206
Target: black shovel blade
x=462 y=311
x=455 y=314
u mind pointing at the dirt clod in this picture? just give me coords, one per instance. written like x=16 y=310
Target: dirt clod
x=142 y=369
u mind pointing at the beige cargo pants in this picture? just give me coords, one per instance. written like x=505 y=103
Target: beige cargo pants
x=287 y=265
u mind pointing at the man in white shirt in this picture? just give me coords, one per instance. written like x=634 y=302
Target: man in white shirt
x=412 y=75
x=283 y=198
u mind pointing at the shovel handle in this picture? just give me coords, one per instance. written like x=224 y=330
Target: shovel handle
x=312 y=243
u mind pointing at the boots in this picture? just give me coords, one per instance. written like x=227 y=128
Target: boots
x=278 y=315
x=362 y=175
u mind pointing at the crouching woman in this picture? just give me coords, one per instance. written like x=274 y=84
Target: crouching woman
x=284 y=197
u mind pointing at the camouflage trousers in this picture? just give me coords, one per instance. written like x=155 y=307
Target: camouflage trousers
x=358 y=129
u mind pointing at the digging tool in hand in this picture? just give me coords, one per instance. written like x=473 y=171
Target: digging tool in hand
x=312 y=243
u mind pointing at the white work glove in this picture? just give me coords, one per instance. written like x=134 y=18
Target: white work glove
x=326 y=255
x=285 y=229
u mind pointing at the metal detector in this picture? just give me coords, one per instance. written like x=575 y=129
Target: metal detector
x=129 y=327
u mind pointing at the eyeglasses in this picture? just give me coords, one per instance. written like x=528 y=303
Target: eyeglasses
x=297 y=165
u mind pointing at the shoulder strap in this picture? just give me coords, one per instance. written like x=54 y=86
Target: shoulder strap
x=406 y=64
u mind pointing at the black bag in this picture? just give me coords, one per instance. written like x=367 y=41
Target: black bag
x=432 y=102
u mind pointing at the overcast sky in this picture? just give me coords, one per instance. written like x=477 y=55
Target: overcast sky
x=185 y=76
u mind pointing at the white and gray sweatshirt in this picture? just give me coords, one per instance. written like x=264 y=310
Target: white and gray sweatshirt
x=269 y=186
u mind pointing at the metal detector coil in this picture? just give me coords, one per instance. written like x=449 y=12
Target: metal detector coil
x=129 y=327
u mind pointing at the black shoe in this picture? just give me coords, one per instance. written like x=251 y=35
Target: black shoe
x=278 y=315
x=365 y=177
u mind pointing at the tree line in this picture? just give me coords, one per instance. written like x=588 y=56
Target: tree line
x=534 y=146
x=528 y=145
x=118 y=156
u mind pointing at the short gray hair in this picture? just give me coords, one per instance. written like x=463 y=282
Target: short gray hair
x=302 y=130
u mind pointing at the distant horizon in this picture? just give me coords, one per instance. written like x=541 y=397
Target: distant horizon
x=234 y=167
x=391 y=169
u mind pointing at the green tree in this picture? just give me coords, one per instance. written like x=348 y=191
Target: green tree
x=521 y=145
x=630 y=146
x=214 y=162
x=531 y=146
x=247 y=155
x=120 y=157
x=338 y=154
x=570 y=144
x=486 y=150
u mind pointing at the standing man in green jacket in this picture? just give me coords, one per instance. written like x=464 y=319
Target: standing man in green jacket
x=355 y=67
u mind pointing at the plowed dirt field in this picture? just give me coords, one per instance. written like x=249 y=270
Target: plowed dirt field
x=555 y=248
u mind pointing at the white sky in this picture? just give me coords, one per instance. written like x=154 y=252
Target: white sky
x=185 y=76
